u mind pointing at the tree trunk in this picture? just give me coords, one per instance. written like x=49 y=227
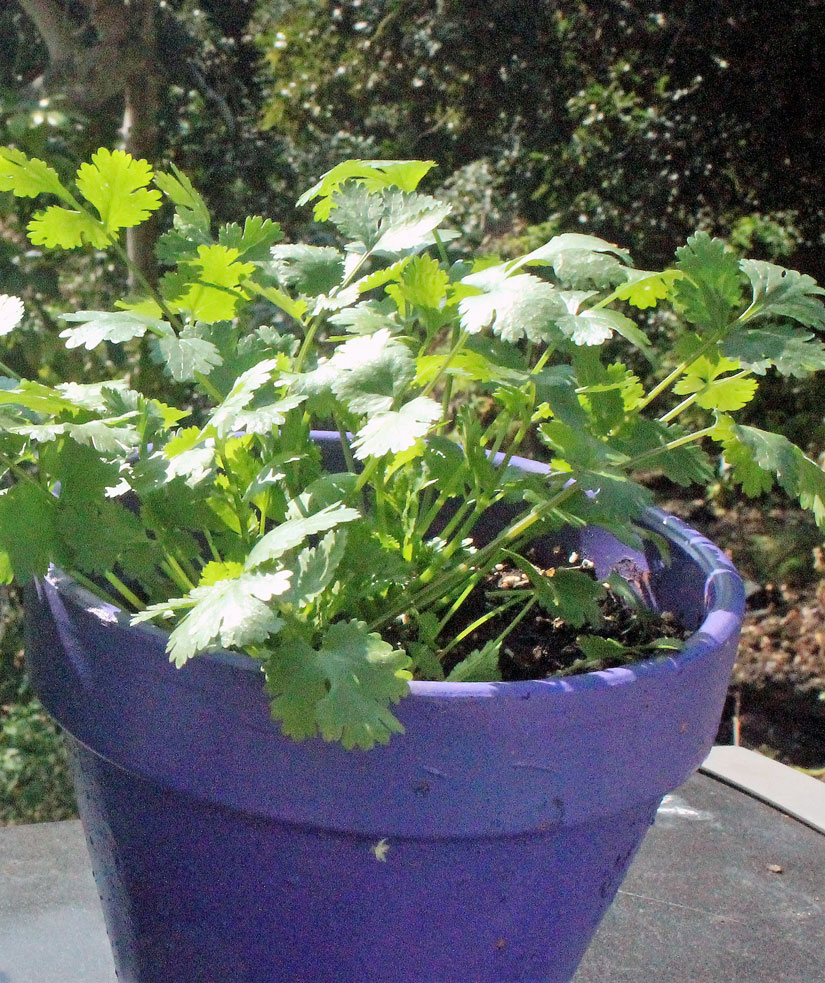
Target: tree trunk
x=140 y=122
x=122 y=65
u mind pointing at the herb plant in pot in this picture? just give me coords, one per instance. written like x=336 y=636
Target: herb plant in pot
x=344 y=679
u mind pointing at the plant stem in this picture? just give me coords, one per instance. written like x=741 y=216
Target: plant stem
x=680 y=368
x=122 y=589
x=209 y=388
x=488 y=616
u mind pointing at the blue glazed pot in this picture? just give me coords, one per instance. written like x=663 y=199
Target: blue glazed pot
x=483 y=846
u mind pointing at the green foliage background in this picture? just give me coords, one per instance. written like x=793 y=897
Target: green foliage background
x=625 y=119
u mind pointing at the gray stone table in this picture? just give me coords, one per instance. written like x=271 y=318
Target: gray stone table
x=727 y=888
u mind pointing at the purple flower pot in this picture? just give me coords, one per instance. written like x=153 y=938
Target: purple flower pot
x=483 y=846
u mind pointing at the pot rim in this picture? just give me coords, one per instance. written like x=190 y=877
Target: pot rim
x=720 y=624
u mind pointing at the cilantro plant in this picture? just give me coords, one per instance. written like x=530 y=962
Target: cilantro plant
x=218 y=519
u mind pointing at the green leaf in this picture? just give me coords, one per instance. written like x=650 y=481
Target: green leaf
x=578 y=448
x=184 y=357
x=567 y=594
x=644 y=289
x=224 y=417
x=597 y=649
x=370 y=371
x=792 y=352
x=341 y=690
x=480 y=666
x=423 y=283
x=256 y=239
x=593 y=327
x=28 y=177
x=408 y=222
x=394 y=431
x=574 y=243
x=316 y=567
x=28 y=529
x=684 y=465
x=365 y=318
x=296 y=309
x=293 y=532
x=37 y=397
x=740 y=457
x=797 y=474
x=11 y=313
x=189 y=204
x=115 y=183
x=466 y=368
x=711 y=289
x=379 y=277
x=209 y=290
x=374 y=175
x=716 y=392
x=310 y=270
x=514 y=305
x=778 y=292
x=66 y=228
x=113 y=326
x=231 y=612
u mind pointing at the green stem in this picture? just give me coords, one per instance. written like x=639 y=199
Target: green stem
x=479 y=622
x=172 y=569
x=671 y=445
x=680 y=368
x=94 y=588
x=209 y=388
x=442 y=252
x=691 y=399
x=124 y=591
x=518 y=618
x=460 y=342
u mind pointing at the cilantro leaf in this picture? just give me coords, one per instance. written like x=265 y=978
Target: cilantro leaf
x=552 y=252
x=797 y=474
x=740 y=457
x=254 y=241
x=365 y=318
x=515 y=305
x=316 y=567
x=231 y=612
x=792 y=352
x=374 y=175
x=712 y=286
x=185 y=356
x=778 y=292
x=208 y=287
x=393 y=431
x=716 y=392
x=422 y=283
x=224 y=416
x=11 y=313
x=28 y=177
x=593 y=327
x=66 y=228
x=190 y=206
x=370 y=371
x=115 y=183
x=341 y=690
x=293 y=532
x=480 y=666
x=568 y=594
x=644 y=289
x=28 y=529
x=114 y=326
x=310 y=270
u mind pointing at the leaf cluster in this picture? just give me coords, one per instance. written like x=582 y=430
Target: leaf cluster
x=221 y=520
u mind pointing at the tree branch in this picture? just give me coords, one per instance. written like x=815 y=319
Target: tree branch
x=54 y=26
